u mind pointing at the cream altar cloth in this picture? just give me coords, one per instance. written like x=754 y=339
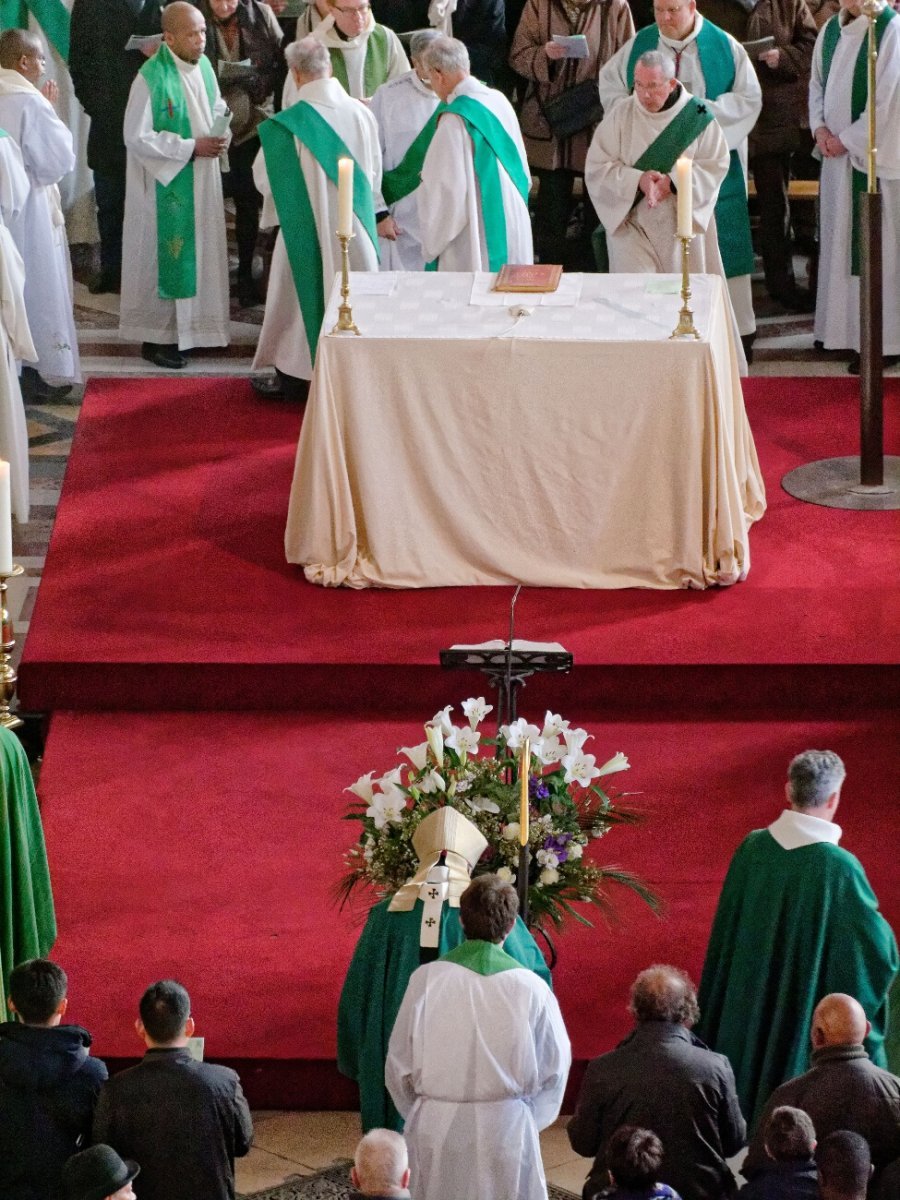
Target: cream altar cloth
x=456 y=444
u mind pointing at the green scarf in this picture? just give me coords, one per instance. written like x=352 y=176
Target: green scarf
x=491 y=145
x=52 y=16
x=858 y=100
x=377 y=64
x=407 y=175
x=732 y=215
x=175 y=228
x=292 y=203
x=484 y=958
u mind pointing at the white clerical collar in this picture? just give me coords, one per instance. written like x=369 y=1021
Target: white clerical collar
x=186 y=68
x=323 y=91
x=466 y=86
x=680 y=45
x=794 y=829
x=422 y=88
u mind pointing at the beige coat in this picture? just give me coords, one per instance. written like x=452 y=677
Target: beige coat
x=607 y=25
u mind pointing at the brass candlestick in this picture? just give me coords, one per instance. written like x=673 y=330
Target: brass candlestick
x=685 y=327
x=8 y=675
x=345 y=322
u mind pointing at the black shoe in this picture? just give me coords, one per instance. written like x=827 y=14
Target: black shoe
x=292 y=388
x=817 y=345
x=36 y=389
x=266 y=385
x=747 y=340
x=248 y=293
x=106 y=281
x=167 y=355
x=855 y=364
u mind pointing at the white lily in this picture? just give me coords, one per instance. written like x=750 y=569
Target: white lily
x=463 y=740
x=476 y=710
x=515 y=734
x=442 y=720
x=618 y=762
x=580 y=768
x=387 y=806
x=417 y=755
x=548 y=750
x=432 y=781
x=391 y=780
x=482 y=804
x=362 y=787
x=575 y=739
x=435 y=738
x=554 y=725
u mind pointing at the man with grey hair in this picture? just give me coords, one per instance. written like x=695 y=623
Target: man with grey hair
x=473 y=199
x=663 y=1078
x=380 y=1168
x=403 y=108
x=796 y=920
x=295 y=172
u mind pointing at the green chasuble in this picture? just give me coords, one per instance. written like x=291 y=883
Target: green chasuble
x=385 y=957
x=791 y=927
x=732 y=215
x=27 y=921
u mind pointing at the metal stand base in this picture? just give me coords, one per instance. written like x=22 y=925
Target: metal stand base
x=835 y=483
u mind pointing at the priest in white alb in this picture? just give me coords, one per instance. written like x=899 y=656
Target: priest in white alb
x=296 y=172
x=477 y=1062
x=403 y=108
x=364 y=54
x=174 y=254
x=39 y=230
x=714 y=68
x=839 y=118
x=473 y=199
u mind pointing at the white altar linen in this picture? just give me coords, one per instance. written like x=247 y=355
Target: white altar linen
x=452 y=445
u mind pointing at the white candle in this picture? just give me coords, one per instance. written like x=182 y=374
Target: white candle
x=345 y=197
x=6 y=557
x=684 y=184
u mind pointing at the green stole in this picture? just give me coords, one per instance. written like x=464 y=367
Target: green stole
x=377 y=63
x=484 y=958
x=407 y=175
x=732 y=216
x=175 y=228
x=3 y=133
x=491 y=145
x=293 y=205
x=52 y=16
x=858 y=100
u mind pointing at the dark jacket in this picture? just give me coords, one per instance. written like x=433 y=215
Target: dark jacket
x=797 y=1180
x=102 y=72
x=48 y=1088
x=843 y=1090
x=663 y=1078
x=261 y=41
x=183 y=1121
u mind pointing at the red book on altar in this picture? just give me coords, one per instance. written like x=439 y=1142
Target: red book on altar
x=537 y=277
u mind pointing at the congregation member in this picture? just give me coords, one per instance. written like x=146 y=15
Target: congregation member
x=795 y=879
x=39 y=231
x=789 y=1170
x=242 y=32
x=557 y=159
x=98 y=1173
x=694 y=1112
x=364 y=54
x=380 y=1168
x=102 y=74
x=184 y=1121
x=843 y=1089
x=633 y=1158
x=175 y=281
x=630 y=173
x=413 y=927
x=297 y=172
x=844 y=1166
x=402 y=108
x=473 y=199
x=49 y=1084
x=838 y=117
x=477 y=1061
x=714 y=67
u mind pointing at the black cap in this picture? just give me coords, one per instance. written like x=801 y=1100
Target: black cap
x=96 y=1173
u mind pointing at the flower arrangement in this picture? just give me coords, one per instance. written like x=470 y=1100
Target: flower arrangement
x=568 y=810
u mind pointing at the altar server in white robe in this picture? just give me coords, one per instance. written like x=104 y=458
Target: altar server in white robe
x=403 y=108
x=839 y=115
x=300 y=196
x=473 y=199
x=174 y=254
x=477 y=1062
x=39 y=231
x=715 y=68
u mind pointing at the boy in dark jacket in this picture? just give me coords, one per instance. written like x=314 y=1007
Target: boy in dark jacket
x=48 y=1084
x=790 y=1174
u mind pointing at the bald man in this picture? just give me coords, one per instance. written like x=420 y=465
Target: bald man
x=843 y=1090
x=380 y=1168
x=175 y=259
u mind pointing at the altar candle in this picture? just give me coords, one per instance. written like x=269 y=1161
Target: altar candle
x=345 y=197
x=6 y=556
x=684 y=184
x=524 y=802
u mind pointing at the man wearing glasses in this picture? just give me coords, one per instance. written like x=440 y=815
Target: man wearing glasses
x=364 y=55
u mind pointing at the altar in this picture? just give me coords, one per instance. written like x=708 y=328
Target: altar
x=557 y=440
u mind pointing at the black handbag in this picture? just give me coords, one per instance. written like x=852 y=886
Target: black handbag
x=574 y=109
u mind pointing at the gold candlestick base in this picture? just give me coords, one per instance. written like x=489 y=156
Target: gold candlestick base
x=8 y=675
x=685 y=327
x=345 y=322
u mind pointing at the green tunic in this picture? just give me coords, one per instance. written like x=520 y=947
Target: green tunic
x=386 y=955
x=791 y=927
x=27 y=921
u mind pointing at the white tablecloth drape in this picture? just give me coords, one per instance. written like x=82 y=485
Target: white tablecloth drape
x=574 y=445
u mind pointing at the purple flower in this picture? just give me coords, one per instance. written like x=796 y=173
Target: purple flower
x=537 y=789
